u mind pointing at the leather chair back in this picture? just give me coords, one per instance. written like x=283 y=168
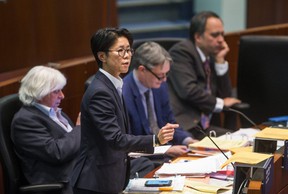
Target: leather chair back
x=263 y=76
x=9 y=105
x=14 y=180
x=166 y=42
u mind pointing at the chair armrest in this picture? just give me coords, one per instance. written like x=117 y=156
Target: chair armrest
x=41 y=188
x=241 y=106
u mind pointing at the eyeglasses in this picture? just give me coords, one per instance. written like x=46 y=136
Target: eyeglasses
x=121 y=52
x=159 y=78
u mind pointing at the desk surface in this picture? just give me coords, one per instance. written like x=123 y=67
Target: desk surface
x=185 y=156
x=202 y=181
x=280 y=180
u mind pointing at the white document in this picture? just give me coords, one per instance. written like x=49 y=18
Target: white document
x=242 y=134
x=138 y=185
x=157 y=151
x=199 y=167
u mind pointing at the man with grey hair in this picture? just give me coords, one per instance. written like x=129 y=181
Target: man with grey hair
x=146 y=86
x=44 y=137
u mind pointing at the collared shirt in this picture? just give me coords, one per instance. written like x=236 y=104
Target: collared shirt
x=220 y=69
x=117 y=82
x=142 y=89
x=50 y=112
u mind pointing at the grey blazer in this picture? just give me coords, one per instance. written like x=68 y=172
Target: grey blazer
x=187 y=83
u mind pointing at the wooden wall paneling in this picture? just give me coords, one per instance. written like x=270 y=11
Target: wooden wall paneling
x=17 y=42
x=268 y=12
x=263 y=16
x=10 y=81
x=76 y=75
x=37 y=32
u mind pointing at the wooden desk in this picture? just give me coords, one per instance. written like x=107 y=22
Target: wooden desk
x=280 y=177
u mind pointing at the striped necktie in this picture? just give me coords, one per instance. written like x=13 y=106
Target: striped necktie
x=207 y=70
x=205 y=119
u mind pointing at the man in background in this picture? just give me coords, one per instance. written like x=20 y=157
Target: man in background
x=199 y=83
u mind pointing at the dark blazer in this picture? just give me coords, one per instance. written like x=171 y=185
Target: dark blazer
x=186 y=83
x=47 y=152
x=138 y=119
x=103 y=165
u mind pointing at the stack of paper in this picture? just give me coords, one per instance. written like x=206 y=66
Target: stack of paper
x=158 y=150
x=224 y=144
x=273 y=133
x=212 y=187
x=242 y=134
x=247 y=158
x=138 y=185
x=195 y=168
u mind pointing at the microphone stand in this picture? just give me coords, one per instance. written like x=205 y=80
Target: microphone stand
x=200 y=128
x=242 y=114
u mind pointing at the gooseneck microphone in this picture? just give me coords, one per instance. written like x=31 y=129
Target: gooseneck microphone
x=200 y=128
x=238 y=106
x=241 y=106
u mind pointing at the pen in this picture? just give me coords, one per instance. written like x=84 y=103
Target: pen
x=165 y=188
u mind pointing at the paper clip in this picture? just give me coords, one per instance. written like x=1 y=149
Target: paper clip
x=212 y=133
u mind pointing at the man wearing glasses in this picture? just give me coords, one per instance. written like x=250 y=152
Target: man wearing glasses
x=146 y=87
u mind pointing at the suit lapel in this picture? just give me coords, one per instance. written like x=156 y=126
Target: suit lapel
x=120 y=103
x=126 y=117
x=199 y=62
x=45 y=117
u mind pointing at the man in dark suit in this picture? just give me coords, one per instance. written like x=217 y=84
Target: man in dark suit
x=151 y=64
x=199 y=83
x=103 y=166
x=45 y=139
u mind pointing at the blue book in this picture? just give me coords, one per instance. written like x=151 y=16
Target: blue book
x=279 y=118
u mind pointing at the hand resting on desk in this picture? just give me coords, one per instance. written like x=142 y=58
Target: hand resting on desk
x=176 y=151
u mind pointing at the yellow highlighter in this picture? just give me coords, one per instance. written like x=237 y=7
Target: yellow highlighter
x=165 y=188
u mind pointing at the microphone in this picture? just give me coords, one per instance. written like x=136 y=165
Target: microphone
x=241 y=106
x=200 y=128
x=225 y=108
